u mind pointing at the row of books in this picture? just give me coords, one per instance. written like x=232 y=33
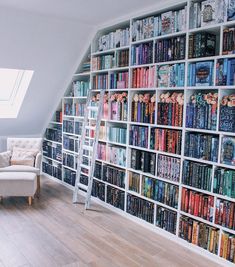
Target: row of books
x=140 y=208
x=168 y=168
x=170 y=109
x=160 y=191
x=202 y=44
x=68 y=126
x=116 y=155
x=227 y=247
x=197 y=175
x=142 y=54
x=119 y=106
x=54 y=134
x=224 y=182
x=58 y=116
x=225 y=69
x=228 y=41
x=115 y=197
x=200 y=73
x=70 y=143
x=68 y=108
x=166 y=219
x=201 y=111
x=201 y=146
x=143 y=108
x=225 y=213
x=166 y=140
x=119 y=80
x=69 y=176
x=165 y=23
x=79 y=109
x=80 y=88
x=170 y=49
x=143 y=77
x=103 y=62
x=117 y=134
x=53 y=151
x=171 y=75
x=98 y=190
x=134 y=182
x=197 y=204
x=114 y=176
x=100 y=81
x=210 y=12
x=122 y=58
x=143 y=161
x=51 y=169
x=119 y=38
x=199 y=234
x=138 y=136
x=68 y=160
x=227 y=113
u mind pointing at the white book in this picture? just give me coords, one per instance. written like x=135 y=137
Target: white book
x=208 y=12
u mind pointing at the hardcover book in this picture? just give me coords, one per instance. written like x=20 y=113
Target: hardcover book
x=228 y=150
x=204 y=73
x=208 y=12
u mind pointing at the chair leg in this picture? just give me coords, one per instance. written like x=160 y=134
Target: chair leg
x=38 y=186
x=1 y=199
x=30 y=200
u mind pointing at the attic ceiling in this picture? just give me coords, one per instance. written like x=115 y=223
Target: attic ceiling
x=50 y=37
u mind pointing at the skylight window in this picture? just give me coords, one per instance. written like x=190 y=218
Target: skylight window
x=13 y=87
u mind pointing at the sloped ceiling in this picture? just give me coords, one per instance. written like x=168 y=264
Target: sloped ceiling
x=50 y=37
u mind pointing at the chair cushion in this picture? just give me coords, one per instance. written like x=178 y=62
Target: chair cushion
x=5 y=159
x=20 y=168
x=18 y=184
x=23 y=156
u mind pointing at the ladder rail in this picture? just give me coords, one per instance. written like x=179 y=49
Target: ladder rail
x=91 y=148
x=95 y=147
x=80 y=155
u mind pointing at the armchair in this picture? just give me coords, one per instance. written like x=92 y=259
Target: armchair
x=24 y=143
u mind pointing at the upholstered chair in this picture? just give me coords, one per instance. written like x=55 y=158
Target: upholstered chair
x=28 y=144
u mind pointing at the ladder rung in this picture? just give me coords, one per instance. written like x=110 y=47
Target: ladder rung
x=90 y=127
x=92 y=119
x=82 y=186
x=85 y=166
x=89 y=148
x=93 y=108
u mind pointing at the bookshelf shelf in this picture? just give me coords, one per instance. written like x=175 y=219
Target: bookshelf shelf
x=54 y=160
x=157 y=88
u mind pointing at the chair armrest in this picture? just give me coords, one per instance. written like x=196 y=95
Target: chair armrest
x=38 y=161
x=5 y=158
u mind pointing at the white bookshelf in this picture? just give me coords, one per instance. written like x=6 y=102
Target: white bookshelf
x=187 y=90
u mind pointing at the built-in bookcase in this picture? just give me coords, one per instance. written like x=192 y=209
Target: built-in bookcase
x=166 y=153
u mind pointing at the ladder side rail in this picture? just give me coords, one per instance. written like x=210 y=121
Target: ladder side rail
x=80 y=155
x=95 y=147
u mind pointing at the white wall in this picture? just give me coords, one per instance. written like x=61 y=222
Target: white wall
x=49 y=46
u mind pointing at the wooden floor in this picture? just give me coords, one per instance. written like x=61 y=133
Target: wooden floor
x=53 y=232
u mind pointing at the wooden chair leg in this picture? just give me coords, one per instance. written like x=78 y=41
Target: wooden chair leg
x=30 y=200
x=38 y=186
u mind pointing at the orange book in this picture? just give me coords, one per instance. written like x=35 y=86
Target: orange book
x=195 y=233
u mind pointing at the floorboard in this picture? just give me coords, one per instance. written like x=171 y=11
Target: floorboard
x=54 y=232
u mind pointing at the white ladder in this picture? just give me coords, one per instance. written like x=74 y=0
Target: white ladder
x=89 y=145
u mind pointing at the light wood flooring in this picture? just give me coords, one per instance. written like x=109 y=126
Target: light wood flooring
x=54 y=232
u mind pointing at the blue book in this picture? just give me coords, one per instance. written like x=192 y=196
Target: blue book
x=231 y=10
x=204 y=73
x=228 y=150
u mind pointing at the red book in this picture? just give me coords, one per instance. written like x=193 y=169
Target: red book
x=196 y=205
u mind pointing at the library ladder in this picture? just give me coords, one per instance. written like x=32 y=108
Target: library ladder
x=88 y=146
